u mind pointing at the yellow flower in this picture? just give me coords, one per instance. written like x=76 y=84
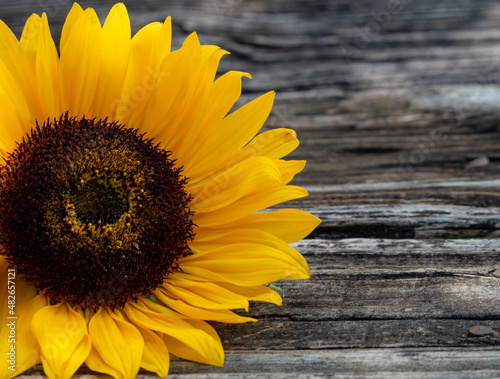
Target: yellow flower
x=130 y=198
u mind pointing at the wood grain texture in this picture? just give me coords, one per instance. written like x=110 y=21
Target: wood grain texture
x=396 y=105
x=343 y=363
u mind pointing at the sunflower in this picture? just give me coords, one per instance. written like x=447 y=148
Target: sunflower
x=130 y=198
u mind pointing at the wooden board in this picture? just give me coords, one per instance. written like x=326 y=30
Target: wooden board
x=396 y=105
x=343 y=363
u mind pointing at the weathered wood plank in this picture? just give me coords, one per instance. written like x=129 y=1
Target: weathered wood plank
x=370 y=256
x=404 y=221
x=381 y=293
x=382 y=296
x=377 y=279
x=433 y=193
x=394 y=149
x=342 y=363
x=367 y=363
x=274 y=334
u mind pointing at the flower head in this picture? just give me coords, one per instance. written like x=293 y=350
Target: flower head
x=130 y=198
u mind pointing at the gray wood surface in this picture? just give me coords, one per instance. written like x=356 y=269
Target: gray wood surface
x=396 y=105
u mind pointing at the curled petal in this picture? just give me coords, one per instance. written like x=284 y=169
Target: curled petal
x=63 y=338
x=198 y=338
x=213 y=356
x=183 y=307
x=244 y=264
x=239 y=236
x=273 y=144
x=155 y=357
x=117 y=345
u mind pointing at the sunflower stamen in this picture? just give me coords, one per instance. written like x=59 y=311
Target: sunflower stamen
x=97 y=201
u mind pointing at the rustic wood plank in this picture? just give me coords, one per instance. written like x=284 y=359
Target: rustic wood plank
x=385 y=293
x=374 y=279
x=432 y=193
x=342 y=363
x=370 y=363
x=391 y=149
x=404 y=221
x=373 y=256
x=274 y=334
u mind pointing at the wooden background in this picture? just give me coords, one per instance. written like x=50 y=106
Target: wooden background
x=396 y=104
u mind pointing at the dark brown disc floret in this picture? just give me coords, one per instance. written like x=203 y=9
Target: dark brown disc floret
x=93 y=213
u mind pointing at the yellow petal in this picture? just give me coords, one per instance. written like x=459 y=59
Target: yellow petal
x=47 y=72
x=155 y=357
x=180 y=96
x=290 y=225
x=200 y=85
x=259 y=195
x=160 y=319
x=18 y=65
x=257 y=173
x=213 y=356
x=223 y=94
x=244 y=264
x=97 y=363
x=204 y=295
x=232 y=133
x=151 y=44
x=288 y=169
x=196 y=312
x=29 y=38
x=80 y=65
x=27 y=350
x=115 y=49
x=15 y=111
x=117 y=345
x=273 y=144
x=174 y=86
x=148 y=49
x=64 y=342
x=247 y=236
x=71 y=19
x=255 y=293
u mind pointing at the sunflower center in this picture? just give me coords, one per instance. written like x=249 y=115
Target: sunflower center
x=98 y=202
x=92 y=213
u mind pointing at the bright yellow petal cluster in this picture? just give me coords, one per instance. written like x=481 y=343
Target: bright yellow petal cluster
x=173 y=97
